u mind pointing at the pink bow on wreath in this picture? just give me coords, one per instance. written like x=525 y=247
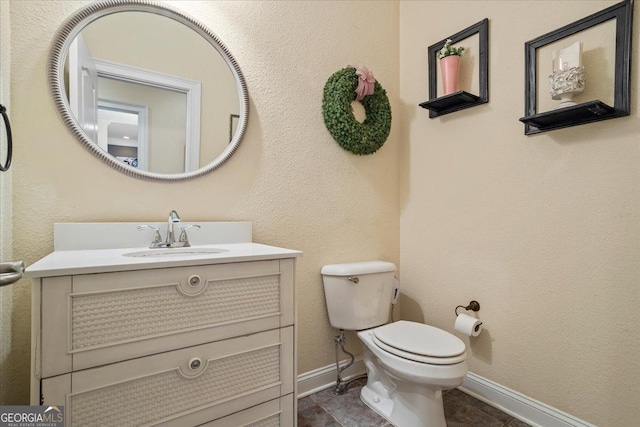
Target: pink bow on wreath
x=366 y=82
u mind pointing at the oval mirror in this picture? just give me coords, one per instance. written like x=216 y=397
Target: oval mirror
x=148 y=89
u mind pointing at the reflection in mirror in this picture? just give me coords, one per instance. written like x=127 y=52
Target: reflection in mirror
x=147 y=75
x=158 y=95
x=122 y=133
x=164 y=120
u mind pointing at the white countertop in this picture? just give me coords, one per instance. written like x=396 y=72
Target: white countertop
x=86 y=261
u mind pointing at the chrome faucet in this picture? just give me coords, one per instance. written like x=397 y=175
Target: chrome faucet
x=173 y=218
x=170 y=242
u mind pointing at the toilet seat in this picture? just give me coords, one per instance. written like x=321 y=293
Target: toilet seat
x=420 y=343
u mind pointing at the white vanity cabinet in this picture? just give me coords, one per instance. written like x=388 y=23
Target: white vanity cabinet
x=184 y=343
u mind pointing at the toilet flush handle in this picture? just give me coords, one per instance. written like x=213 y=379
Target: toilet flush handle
x=353 y=279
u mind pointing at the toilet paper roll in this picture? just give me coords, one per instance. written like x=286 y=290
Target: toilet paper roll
x=468 y=325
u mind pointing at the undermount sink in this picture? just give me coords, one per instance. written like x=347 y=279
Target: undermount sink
x=175 y=252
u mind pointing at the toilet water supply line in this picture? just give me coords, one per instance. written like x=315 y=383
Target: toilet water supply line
x=341 y=385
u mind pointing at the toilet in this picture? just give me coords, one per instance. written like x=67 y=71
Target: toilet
x=408 y=364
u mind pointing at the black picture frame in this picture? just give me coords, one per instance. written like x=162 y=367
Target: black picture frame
x=460 y=100
x=591 y=111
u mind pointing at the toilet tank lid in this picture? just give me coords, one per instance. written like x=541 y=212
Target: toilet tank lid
x=355 y=268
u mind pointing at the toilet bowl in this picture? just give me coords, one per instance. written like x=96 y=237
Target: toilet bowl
x=408 y=364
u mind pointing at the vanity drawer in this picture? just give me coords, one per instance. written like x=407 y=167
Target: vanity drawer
x=186 y=387
x=95 y=319
x=275 y=413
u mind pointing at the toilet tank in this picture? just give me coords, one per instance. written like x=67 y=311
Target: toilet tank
x=358 y=294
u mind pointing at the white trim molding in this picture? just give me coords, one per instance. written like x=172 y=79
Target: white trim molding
x=518 y=405
x=323 y=378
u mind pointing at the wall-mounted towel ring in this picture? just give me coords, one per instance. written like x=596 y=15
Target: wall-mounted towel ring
x=7 y=125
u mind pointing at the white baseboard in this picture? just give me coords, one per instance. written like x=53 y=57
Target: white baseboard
x=518 y=405
x=324 y=378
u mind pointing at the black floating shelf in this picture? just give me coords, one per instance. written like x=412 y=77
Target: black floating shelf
x=592 y=111
x=450 y=103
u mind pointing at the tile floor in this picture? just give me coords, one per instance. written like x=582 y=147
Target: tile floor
x=324 y=409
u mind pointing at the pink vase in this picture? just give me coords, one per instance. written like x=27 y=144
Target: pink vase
x=449 y=66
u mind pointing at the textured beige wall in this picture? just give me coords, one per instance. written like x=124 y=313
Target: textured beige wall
x=288 y=177
x=6 y=292
x=544 y=231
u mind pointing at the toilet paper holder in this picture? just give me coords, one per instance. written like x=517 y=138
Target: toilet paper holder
x=473 y=305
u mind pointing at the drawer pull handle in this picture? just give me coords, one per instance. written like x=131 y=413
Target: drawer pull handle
x=195 y=363
x=194 y=280
x=193 y=369
x=193 y=286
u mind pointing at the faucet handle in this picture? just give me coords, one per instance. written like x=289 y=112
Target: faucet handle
x=183 y=233
x=157 y=238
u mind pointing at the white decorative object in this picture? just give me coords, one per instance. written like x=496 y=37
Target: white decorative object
x=568 y=77
x=408 y=364
x=468 y=325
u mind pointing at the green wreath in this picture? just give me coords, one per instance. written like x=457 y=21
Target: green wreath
x=359 y=138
